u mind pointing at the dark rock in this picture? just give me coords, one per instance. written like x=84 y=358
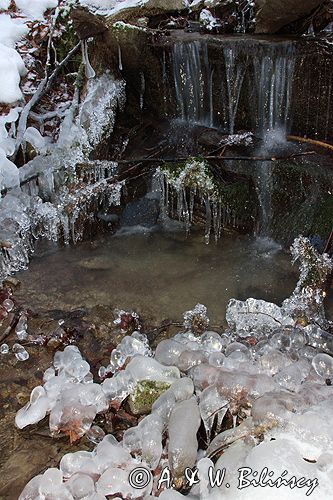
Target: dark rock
x=107 y=217
x=272 y=15
x=87 y=24
x=143 y=212
x=211 y=137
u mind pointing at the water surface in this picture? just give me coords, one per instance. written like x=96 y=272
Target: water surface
x=158 y=274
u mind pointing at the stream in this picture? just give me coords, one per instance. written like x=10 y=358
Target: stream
x=158 y=274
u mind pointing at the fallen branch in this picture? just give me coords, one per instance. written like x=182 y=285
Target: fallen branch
x=42 y=89
x=310 y=141
x=212 y=157
x=328 y=242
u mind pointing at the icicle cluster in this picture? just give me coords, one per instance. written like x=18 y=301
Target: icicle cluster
x=26 y=219
x=50 y=208
x=191 y=182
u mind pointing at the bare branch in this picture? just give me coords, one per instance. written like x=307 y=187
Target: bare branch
x=43 y=88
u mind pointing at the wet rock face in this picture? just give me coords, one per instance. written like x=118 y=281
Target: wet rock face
x=143 y=212
x=272 y=15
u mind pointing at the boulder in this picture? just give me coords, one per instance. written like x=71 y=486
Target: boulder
x=272 y=15
x=133 y=9
x=143 y=212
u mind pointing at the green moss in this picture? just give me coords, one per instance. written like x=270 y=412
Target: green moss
x=120 y=26
x=145 y=394
x=194 y=174
x=239 y=198
x=323 y=218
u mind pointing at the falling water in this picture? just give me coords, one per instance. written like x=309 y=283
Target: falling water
x=241 y=78
x=273 y=79
x=235 y=71
x=192 y=77
x=209 y=93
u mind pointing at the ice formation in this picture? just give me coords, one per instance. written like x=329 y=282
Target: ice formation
x=46 y=207
x=23 y=213
x=208 y=20
x=262 y=390
x=181 y=185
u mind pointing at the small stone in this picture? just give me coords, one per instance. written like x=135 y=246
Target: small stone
x=11 y=282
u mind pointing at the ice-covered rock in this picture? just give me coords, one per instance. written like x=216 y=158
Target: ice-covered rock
x=69 y=394
x=182 y=430
x=196 y=320
x=323 y=364
x=35 y=410
x=143 y=368
x=256 y=315
x=213 y=407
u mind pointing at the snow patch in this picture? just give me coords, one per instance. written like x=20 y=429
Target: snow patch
x=11 y=69
x=11 y=30
x=35 y=10
x=4 y=4
x=208 y=20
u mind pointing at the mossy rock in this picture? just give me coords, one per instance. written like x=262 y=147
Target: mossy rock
x=144 y=396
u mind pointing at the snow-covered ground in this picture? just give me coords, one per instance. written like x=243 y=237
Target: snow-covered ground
x=15 y=24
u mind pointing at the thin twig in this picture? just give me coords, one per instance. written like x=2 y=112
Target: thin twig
x=42 y=89
x=212 y=157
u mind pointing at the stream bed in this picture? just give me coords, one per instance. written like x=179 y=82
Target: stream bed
x=158 y=274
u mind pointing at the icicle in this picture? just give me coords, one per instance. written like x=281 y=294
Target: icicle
x=90 y=72
x=142 y=90
x=120 y=62
x=208 y=220
x=217 y=220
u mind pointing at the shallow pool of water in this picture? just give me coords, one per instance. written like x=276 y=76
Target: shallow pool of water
x=158 y=274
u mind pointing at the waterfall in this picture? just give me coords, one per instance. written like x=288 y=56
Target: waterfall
x=192 y=79
x=240 y=78
x=264 y=184
x=233 y=85
x=235 y=72
x=273 y=79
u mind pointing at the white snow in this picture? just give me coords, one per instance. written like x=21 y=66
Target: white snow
x=36 y=8
x=113 y=5
x=11 y=69
x=208 y=20
x=4 y=4
x=11 y=30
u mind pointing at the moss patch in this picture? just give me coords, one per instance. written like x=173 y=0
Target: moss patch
x=145 y=394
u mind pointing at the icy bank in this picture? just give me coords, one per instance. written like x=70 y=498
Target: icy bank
x=260 y=393
x=49 y=208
